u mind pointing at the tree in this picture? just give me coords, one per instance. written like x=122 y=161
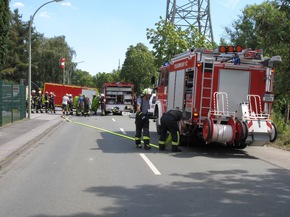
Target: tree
x=4 y=28
x=169 y=40
x=16 y=65
x=82 y=78
x=101 y=78
x=267 y=26
x=48 y=59
x=138 y=67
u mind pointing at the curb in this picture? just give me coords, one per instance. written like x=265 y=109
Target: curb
x=46 y=129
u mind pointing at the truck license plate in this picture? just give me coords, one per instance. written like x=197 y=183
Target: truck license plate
x=268 y=97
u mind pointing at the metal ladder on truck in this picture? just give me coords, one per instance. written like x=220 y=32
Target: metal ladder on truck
x=206 y=89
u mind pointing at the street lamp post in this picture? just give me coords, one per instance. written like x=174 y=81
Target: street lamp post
x=29 y=63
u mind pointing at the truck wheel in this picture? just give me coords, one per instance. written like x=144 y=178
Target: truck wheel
x=241 y=132
x=273 y=135
x=207 y=130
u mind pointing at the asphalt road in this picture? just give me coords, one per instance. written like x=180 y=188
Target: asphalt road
x=90 y=167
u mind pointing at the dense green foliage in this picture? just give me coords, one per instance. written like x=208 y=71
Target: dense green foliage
x=267 y=26
x=138 y=66
x=4 y=28
x=169 y=40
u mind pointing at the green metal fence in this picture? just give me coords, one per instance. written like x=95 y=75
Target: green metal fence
x=12 y=103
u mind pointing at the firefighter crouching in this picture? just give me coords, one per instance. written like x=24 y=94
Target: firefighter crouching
x=169 y=122
x=142 y=120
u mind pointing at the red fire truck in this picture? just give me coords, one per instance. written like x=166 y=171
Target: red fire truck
x=60 y=90
x=226 y=94
x=119 y=97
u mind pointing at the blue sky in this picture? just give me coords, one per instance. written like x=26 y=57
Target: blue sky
x=100 y=31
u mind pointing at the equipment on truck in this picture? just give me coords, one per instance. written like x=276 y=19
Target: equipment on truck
x=226 y=94
x=118 y=97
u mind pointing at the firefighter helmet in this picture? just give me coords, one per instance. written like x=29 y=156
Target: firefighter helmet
x=147 y=91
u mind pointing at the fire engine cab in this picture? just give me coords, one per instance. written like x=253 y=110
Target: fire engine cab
x=226 y=94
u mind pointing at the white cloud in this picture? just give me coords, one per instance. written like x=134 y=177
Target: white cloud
x=68 y=4
x=44 y=14
x=231 y=4
x=18 y=5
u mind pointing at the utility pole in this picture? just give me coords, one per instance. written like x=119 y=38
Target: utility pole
x=186 y=13
x=29 y=54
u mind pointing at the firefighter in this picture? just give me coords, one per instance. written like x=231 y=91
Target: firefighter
x=64 y=104
x=142 y=120
x=95 y=104
x=51 y=102
x=76 y=99
x=87 y=103
x=169 y=122
x=80 y=105
x=102 y=103
x=39 y=102
x=46 y=101
x=70 y=104
x=33 y=101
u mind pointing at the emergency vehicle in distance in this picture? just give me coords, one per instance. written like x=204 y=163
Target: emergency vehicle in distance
x=60 y=90
x=226 y=95
x=119 y=97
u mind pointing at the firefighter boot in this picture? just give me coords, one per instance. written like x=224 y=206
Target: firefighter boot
x=174 y=148
x=138 y=146
x=147 y=146
x=161 y=147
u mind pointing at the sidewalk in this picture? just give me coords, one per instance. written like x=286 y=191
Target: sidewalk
x=16 y=137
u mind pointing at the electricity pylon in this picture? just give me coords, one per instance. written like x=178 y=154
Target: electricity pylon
x=186 y=13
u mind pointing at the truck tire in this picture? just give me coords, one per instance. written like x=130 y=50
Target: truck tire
x=273 y=136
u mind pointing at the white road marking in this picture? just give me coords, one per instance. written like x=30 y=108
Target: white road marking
x=113 y=119
x=123 y=131
x=150 y=164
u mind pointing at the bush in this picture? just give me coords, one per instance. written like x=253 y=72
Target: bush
x=283 y=139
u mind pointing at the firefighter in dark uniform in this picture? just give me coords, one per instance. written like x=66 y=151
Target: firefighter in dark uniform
x=102 y=103
x=169 y=123
x=46 y=101
x=142 y=120
x=51 y=102
x=39 y=102
x=87 y=104
x=33 y=100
